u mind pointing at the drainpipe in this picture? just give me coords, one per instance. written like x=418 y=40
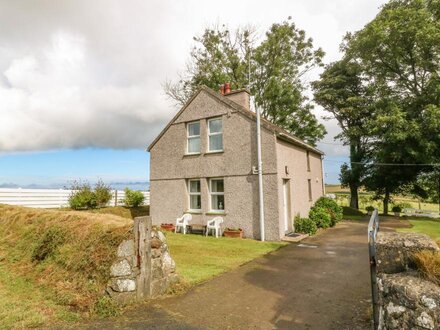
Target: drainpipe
x=323 y=175
x=260 y=175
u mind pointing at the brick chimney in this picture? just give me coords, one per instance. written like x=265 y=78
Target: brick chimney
x=239 y=96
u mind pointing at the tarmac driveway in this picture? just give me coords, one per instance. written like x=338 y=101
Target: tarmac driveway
x=321 y=283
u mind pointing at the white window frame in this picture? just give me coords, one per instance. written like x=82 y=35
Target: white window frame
x=218 y=194
x=188 y=137
x=214 y=134
x=194 y=194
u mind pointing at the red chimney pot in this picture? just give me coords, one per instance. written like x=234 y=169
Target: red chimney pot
x=227 y=88
x=222 y=89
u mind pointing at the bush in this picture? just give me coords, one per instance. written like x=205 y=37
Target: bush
x=320 y=216
x=396 y=208
x=305 y=226
x=82 y=196
x=103 y=193
x=369 y=208
x=428 y=264
x=332 y=208
x=133 y=198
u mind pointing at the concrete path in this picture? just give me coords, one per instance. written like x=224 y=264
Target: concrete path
x=321 y=283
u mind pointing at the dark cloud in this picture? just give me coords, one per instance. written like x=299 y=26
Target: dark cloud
x=88 y=73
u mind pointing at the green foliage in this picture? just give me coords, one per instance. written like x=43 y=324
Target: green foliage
x=397 y=208
x=305 y=226
x=106 y=307
x=103 y=193
x=320 y=216
x=332 y=208
x=369 y=208
x=277 y=66
x=133 y=198
x=48 y=243
x=399 y=55
x=347 y=210
x=82 y=196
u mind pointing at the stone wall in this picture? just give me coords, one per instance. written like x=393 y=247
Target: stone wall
x=143 y=267
x=406 y=300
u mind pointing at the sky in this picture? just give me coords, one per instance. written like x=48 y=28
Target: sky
x=81 y=81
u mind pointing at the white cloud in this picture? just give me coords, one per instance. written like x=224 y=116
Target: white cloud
x=88 y=73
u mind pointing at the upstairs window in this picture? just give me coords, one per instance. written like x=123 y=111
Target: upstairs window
x=195 y=198
x=215 y=134
x=193 y=137
x=217 y=193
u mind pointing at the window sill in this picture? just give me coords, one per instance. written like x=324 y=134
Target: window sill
x=216 y=213
x=192 y=154
x=194 y=211
x=214 y=152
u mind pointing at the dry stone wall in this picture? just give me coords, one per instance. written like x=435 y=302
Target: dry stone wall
x=143 y=267
x=406 y=300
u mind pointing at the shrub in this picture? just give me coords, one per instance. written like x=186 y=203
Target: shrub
x=82 y=196
x=305 y=226
x=370 y=208
x=333 y=209
x=133 y=198
x=396 y=208
x=428 y=264
x=103 y=193
x=320 y=216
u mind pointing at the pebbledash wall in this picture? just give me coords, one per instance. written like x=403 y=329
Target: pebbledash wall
x=170 y=169
x=143 y=267
x=406 y=300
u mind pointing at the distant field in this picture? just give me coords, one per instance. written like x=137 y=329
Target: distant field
x=366 y=199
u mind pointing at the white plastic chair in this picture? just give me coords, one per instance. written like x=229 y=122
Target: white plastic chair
x=183 y=222
x=214 y=224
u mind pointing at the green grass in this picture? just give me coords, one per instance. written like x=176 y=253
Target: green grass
x=428 y=226
x=199 y=258
x=54 y=264
x=25 y=305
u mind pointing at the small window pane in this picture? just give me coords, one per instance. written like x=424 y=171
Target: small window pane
x=216 y=142
x=194 y=186
x=194 y=144
x=195 y=202
x=218 y=202
x=215 y=126
x=193 y=129
x=217 y=186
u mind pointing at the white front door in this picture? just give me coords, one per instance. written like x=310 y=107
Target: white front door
x=286 y=203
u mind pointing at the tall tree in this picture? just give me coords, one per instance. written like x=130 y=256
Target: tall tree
x=342 y=92
x=399 y=52
x=273 y=70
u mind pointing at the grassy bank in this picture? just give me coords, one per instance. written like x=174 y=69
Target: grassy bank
x=54 y=264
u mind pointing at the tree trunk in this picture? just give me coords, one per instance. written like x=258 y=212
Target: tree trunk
x=354 y=197
x=386 y=201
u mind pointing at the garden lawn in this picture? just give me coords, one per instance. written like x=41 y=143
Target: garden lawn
x=199 y=258
x=430 y=227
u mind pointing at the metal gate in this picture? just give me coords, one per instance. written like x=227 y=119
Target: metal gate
x=373 y=228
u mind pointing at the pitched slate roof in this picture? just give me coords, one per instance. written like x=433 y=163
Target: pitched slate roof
x=280 y=132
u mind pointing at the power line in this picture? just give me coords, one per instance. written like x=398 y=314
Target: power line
x=381 y=164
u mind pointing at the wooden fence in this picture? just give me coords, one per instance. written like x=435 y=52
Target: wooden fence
x=52 y=198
